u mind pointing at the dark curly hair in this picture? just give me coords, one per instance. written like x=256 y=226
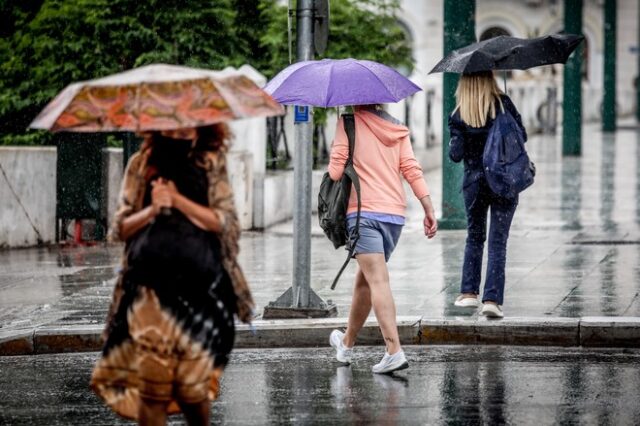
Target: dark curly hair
x=213 y=138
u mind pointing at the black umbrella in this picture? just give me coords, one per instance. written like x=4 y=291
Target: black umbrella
x=509 y=53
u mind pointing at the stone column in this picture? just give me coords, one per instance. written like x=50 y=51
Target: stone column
x=459 y=31
x=572 y=97
x=609 y=94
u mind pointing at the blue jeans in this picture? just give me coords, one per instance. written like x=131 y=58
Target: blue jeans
x=478 y=199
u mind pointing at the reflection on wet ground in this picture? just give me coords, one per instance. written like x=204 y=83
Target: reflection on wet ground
x=444 y=385
x=574 y=251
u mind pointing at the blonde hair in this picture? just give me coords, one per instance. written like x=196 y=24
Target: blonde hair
x=475 y=98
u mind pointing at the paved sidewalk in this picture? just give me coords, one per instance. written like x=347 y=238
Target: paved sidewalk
x=574 y=253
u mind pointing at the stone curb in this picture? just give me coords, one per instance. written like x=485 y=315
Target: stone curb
x=586 y=331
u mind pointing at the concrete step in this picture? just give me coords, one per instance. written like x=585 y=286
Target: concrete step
x=414 y=330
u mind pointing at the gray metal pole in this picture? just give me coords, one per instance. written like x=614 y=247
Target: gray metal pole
x=303 y=165
x=300 y=300
x=304 y=31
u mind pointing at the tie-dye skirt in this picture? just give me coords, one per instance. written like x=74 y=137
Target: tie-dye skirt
x=167 y=342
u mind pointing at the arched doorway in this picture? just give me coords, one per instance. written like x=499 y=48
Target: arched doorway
x=408 y=36
x=585 y=59
x=492 y=32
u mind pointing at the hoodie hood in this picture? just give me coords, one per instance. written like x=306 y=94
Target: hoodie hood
x=387 y=132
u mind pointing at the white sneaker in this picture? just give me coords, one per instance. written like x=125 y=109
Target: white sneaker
x=491 y=310
x=343 y=354
x=466 y=301
x=391 y=363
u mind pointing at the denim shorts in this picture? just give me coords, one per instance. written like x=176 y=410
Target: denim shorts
x=376 y=236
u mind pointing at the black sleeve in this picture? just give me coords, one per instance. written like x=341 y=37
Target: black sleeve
x=456 y=142
x=509 y=106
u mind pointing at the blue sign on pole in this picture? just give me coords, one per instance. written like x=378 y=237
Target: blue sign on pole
x=301 y=114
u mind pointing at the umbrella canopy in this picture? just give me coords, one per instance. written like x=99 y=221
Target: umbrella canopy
x=509 y=53
x=155 y=97
x=338 y=82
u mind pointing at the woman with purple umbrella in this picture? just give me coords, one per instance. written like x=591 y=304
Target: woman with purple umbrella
x=382 y=154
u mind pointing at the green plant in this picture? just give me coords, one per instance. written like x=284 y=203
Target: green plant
x=48 y=44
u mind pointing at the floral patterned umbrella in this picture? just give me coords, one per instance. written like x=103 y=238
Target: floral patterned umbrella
x=155 y=97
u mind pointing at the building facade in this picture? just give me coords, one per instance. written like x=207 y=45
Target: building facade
x=423 y=21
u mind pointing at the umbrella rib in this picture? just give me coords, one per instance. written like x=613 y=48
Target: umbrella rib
x=326 y=96
x=378 y=78
x=137 y=106
x=226 y=94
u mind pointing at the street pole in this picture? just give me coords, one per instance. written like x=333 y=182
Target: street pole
x=638 y=69
x=300 y=300
x=302 y=168
x=459 y=31
x=572 y=97
x=609 y=96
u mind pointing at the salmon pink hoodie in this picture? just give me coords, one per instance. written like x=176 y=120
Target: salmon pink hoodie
x=382 y=154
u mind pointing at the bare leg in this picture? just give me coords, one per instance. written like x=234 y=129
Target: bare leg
x=375 y=271
x=360 y=308
x=196 y=414
x=152 y=413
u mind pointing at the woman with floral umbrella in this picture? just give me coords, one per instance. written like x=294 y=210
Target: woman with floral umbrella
x=171 y=326
x=171 y=323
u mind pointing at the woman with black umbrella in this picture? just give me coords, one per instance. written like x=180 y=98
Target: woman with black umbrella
x=478 y=100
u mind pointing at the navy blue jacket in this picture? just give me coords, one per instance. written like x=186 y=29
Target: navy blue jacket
x=467 y=143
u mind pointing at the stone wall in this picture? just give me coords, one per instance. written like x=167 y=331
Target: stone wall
x=27 y=196
x=278 y=201
x=112 y=171
x=28 y=191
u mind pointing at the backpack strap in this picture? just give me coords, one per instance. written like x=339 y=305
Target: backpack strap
x=350 y=129
x=350 y=172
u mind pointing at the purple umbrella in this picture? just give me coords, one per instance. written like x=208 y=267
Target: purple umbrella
x=338 y=82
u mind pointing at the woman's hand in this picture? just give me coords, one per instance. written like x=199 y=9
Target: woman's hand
x=201 y=216
x=430 y=223
x=173 y=189
x=162 y=195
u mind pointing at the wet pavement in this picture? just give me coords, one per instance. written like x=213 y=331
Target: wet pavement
x=444 y=385
x=574 y=251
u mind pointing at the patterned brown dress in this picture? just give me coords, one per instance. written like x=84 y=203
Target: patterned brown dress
x=168 y=333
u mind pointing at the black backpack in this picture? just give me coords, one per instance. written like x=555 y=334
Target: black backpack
x=333 y=201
